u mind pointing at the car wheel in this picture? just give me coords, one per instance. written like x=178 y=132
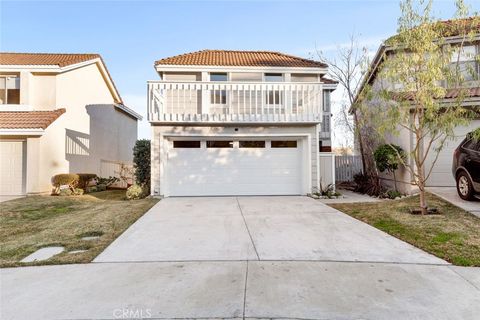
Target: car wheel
x=464 y=186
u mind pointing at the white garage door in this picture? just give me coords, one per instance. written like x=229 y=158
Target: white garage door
x=442 y=172
x=11 y=167
x=227 y=167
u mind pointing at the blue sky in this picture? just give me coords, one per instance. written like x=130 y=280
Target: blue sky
x=131 y=35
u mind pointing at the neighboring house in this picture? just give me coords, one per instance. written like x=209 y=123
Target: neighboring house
x=442 y=170
x=239 y=123
x=59 y=113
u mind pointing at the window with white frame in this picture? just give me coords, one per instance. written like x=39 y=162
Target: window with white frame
x=273 y=77
x=218 y=96
x=9 y=89
x=464 y=61
x=326 y=101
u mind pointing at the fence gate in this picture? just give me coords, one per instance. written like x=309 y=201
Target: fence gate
x=347 y=166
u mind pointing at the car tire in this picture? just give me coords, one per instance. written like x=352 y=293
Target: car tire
x=464 y=186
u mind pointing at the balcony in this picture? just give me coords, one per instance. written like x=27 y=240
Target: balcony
x=235 y=102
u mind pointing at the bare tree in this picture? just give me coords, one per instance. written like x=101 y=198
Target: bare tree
x=348 y=66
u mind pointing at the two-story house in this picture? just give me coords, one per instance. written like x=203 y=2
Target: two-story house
x=59 y=113
x=441 y=175
x=238 y=123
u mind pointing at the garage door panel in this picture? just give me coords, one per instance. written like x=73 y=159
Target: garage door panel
x=11 y=168
x=442 y=171
x=233 y=171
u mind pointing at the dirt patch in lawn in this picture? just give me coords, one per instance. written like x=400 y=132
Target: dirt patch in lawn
x=30 y=223
x=453 y=235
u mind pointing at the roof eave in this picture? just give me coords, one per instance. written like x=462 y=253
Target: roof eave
x=129 y=111
x=206 y=68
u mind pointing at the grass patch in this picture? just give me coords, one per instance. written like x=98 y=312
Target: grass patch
x=31 y=223
x=453 y=235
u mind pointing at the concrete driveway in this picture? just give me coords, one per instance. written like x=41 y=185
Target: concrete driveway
x=246 y=258
x=256 y=228
x=450 y=194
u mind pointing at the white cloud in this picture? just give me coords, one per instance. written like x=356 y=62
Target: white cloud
x=138 y=102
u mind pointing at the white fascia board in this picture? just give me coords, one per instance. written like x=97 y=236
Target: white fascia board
x=329 y=86
x=236 y=135
x=200 y=68
x=129 y=111
x=21 y=132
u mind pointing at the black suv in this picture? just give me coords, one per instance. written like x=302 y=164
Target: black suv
x=466 y=168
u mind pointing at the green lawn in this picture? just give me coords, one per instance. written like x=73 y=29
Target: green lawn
x=30 y=223
x=453 y=235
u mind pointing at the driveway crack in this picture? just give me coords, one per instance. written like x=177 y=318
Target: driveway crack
x=248 y=230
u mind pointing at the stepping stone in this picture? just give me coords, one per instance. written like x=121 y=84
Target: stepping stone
x=77 y=251
x=43 y=254
x=91 y=238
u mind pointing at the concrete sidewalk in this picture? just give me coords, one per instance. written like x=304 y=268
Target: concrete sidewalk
x=241 y=289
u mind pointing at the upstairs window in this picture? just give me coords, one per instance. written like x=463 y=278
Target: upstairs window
x=218 y=77
x=9 y=90
x=273 y=77
x=218 y=96
x=464 y=61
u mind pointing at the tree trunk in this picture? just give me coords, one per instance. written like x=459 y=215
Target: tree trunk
x=360 y=142
x=395 y=180
x=421 y=186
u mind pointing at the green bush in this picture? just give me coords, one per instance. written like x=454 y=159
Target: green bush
x=393 y=194
x=388 y=157
x=101 y=187
x=141 y=162
x=136 y=192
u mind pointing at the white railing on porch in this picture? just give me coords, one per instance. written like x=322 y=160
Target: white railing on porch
x=234 y=101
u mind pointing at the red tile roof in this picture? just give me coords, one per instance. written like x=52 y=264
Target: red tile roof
x=28 y=119
x=238 y=58
x=53 y=59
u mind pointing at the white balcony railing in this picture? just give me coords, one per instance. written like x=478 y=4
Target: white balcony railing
x=234 y=102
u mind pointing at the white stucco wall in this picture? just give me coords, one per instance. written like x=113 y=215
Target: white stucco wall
x=308 y=134
x=90 y=130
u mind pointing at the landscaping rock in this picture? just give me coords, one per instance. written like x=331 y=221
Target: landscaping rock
x=43 y=254
x=90 y=238
x=77 y=251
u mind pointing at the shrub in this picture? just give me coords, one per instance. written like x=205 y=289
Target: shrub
x=103 y=183
x=91 y=189
x=65 y=192
x=367 y=184
x=141 y=162
x=84 y=179
x=64 y=179
x=78 y=192
x=393 y=194
x=388 y=157
x=136 y=192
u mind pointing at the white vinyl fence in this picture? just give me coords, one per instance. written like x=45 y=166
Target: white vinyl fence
x=346 y=167
x=117 y=169
x=327 y=168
